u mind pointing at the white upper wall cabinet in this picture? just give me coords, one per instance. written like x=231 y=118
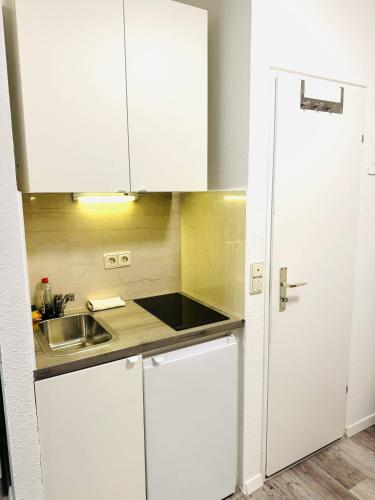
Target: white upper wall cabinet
x=229 y=30
x=69 y=107
x=69 y=64
x=166 y=65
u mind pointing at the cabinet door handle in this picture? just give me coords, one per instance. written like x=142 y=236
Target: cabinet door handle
x=132 y=360
x=157 y=360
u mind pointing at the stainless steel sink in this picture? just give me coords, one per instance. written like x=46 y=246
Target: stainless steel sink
x=71 y=334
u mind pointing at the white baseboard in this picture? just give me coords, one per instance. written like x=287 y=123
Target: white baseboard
x=252 y=484
x=256 y=482
x=10 y=493
x=359 y=426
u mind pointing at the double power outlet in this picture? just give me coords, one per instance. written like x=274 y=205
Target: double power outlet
x=115 y=260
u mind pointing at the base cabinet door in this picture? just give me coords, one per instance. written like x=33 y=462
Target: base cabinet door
x=91 y=433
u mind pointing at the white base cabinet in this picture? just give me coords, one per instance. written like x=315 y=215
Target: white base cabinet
x=191 y=398
x=91 y=433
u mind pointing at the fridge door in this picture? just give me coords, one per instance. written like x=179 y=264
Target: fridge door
x=191 y=400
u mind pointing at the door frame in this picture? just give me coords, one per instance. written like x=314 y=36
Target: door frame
x=274 y=73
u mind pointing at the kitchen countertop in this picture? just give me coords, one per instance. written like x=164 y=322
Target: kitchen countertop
x=137 y=332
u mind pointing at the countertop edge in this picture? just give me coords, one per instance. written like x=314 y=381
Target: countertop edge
x=116 y=355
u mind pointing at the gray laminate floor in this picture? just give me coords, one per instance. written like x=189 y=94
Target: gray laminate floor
x=344 y=470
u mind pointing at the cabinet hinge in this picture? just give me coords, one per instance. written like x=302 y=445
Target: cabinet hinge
x=346 y=390
x=363 y=138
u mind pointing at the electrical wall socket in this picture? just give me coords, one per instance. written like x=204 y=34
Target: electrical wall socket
x=110 y=260
x=116 y=260
x=124 y=259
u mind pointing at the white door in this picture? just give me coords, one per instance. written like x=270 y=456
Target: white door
x=317 y=163
x=166 y=67
x=71 y=122
x=91 y=433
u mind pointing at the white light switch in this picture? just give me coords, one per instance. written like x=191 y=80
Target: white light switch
x=257 y=270
x=257 y=278
x=257 y=285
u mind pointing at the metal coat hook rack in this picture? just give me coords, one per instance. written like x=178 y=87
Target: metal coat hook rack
x=320 y=104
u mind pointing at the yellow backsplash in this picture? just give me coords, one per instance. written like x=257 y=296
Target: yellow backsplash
x=66 y=241
x=213 y=248
x=194 y=242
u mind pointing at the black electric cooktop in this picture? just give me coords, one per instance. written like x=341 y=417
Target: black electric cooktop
x=180 y=312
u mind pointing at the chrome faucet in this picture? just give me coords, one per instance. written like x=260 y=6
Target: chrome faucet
x=60 y=301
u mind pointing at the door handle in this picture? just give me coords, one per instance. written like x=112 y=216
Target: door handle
x=284 y=285
x=294 y=285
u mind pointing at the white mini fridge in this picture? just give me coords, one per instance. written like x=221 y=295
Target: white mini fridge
x=191 y=411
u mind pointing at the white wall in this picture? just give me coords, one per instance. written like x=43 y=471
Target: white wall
x=332 y=39
x=16 y=337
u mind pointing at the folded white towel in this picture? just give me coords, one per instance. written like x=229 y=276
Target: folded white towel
x=102 y=304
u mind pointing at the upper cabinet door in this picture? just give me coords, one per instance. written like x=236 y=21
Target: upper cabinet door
x=166 y=66
x=69 y=115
